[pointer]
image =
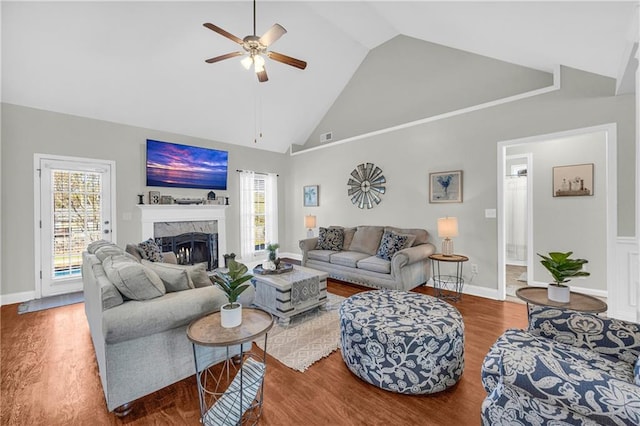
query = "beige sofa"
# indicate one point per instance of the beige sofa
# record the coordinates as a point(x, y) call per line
point(141, 345)
point(365, 258)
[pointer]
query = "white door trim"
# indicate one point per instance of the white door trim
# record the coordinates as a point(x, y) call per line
point(610, 131)
point(37, 188)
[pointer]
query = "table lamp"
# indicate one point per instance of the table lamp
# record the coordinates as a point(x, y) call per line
point(309, 223)
point(447, 228)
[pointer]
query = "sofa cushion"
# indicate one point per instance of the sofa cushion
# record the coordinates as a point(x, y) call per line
point(348, 237)
point(422, 236)
point(375, 264)
point(108, 250)
point(150, 250)
point(330, 238)
point(366, 239)
point(390, 244)
point(95, 245)
point(174, 277)
point(133, 279)
point(321, 255)
point(110, 295)
point(347, 258)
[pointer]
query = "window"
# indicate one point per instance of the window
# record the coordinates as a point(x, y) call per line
point(258, 212)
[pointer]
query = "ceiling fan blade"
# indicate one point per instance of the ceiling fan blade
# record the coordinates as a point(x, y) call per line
point(223, 33)
point(262, 76)
point(287, 60)
point(223, 57)
point(272, 35)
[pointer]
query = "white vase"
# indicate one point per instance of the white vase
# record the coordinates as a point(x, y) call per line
point(558, 293)
point(231, 317)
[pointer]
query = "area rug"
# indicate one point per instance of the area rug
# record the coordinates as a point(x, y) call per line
point(309, 337)
point(51, 302)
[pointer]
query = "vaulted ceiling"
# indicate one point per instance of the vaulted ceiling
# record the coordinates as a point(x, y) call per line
point(142, 63)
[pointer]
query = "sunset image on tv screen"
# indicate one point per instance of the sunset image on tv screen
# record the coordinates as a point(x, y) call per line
point(183, 166)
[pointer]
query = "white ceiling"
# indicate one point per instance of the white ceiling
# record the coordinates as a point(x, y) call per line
point(143, 63)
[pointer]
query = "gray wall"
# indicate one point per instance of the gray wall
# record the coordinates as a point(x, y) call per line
point(564, 224)
point(466, 142)
point(26, 131)
point(406, 79)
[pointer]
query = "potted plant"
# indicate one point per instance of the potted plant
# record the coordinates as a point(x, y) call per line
point(561, 268)
point(233, 284)
point(271, 248)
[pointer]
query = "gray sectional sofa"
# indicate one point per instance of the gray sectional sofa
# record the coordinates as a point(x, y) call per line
point(141, 345)
point(372, 256)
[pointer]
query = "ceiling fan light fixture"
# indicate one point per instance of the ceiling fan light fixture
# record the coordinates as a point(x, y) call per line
point(259, 63)
point(247, 62)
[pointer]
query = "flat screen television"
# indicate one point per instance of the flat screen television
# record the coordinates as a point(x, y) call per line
point(183, 166)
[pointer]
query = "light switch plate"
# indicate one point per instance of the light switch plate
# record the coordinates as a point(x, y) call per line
point(490, 213)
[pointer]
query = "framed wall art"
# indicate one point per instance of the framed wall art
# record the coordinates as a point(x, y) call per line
point(445, 187)
point(573, 181)
point(310, 195)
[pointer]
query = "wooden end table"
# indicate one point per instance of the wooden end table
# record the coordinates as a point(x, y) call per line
point(453, 284)
point(577, 301)
point(230, 392)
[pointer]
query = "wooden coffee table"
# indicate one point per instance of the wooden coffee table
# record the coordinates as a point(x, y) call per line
point(577, 301)
point(275, 293)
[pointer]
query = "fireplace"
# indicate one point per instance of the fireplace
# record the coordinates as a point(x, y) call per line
point(196, 233)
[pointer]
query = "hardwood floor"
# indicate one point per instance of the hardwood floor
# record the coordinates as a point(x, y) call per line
point(49, 376)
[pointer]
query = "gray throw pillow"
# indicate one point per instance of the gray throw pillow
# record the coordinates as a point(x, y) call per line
point(198, 275)
point(150, 250)
point(366, 240)
point(390, 244)
point(133, 279)
point(330, 239)
point(174, 277)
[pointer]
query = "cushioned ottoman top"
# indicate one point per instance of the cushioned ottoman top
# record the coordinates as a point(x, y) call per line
point(402, 313)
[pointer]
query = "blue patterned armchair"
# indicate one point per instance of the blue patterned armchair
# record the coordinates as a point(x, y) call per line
point(568, 368)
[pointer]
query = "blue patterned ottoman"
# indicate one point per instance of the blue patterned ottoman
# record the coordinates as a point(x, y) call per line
point(402, 342)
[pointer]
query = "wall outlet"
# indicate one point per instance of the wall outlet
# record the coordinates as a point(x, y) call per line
point(326, 137)
point(474, 268)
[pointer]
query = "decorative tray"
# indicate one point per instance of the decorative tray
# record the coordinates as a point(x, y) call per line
point(284, 267)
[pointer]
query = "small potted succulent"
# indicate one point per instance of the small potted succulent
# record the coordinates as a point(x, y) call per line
point(562, 268)
point(233, 284)
point(271, 264)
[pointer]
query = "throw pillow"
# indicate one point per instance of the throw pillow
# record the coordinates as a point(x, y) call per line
point(198, 275)
point(636, 371)
point(390, 244)
point(133, 279)
point(150, 250)
point(174, 277)
point(366, 240)
point(330, 239)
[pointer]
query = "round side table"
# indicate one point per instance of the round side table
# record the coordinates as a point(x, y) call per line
point(231, 391)
point(577, 301)
point(448, 286)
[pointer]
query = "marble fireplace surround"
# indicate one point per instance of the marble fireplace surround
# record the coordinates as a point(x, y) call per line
point(151, 214)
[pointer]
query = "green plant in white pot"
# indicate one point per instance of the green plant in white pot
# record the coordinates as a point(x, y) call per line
point(562, 268)
point(233, 284)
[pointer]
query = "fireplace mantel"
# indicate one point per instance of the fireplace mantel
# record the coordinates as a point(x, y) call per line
point(150, 214)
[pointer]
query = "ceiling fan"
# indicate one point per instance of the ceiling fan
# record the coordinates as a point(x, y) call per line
point(256, 47)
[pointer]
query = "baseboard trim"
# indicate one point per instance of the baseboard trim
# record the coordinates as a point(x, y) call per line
point(11, 298)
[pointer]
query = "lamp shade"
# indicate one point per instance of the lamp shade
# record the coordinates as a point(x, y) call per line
point(447, 227)
point(309, 221)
